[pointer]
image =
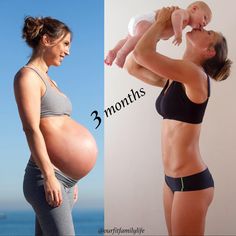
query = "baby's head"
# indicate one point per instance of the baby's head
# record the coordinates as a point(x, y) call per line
point(200, 14)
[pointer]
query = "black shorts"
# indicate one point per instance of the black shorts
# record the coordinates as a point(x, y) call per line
point(193, 182)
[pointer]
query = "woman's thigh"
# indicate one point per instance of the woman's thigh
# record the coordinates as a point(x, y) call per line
point(168, 197)
point(52, 220)
point(189, 211)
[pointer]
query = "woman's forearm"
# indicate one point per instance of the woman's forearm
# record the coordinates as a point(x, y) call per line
point(39, 151)
point(143, 74)
point(147, 44)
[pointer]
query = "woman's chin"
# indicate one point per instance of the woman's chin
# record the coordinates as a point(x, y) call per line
point(188, 33)
point(57, 63)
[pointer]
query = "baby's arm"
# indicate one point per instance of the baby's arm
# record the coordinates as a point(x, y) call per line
point(177, 19)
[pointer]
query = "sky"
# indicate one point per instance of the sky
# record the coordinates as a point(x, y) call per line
point(80, 77)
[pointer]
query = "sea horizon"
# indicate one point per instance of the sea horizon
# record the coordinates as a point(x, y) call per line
point(87, 222)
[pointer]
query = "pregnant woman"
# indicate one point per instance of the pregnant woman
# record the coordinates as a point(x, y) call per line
point(62, 151)
point(189, 186)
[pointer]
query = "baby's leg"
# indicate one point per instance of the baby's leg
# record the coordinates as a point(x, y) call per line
point(113, 52)
point(131, 42)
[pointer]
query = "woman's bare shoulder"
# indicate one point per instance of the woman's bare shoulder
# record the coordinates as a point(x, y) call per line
point(26, 76)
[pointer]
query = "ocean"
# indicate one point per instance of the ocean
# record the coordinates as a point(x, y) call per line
point(21, 223)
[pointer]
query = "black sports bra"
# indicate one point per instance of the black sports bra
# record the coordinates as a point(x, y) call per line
point(174, 104)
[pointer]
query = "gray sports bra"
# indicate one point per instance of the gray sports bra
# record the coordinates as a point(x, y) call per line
point(53, 103)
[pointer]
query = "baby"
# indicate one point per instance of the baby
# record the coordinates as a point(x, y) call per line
point(197, 15)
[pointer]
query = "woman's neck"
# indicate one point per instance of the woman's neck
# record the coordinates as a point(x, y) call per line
point(39, 62)
point(189, 56)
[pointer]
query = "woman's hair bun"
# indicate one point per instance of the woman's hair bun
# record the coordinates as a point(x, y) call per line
point(32, 30)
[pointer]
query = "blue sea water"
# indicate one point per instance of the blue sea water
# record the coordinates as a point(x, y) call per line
point(21, 223)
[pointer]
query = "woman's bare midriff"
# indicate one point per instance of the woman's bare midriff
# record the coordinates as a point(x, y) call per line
point(71, 147)
point(180, 148)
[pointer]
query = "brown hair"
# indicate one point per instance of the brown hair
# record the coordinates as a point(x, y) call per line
point(218, 67)
point(35, 28)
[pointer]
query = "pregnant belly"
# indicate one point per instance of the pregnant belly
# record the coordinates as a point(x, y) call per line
point(71, 147)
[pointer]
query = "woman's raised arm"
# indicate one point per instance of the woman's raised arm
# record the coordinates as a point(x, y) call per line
point(143, 74)
point(145, 53)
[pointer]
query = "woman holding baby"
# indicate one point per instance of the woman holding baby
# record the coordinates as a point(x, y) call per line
point(188, 187)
